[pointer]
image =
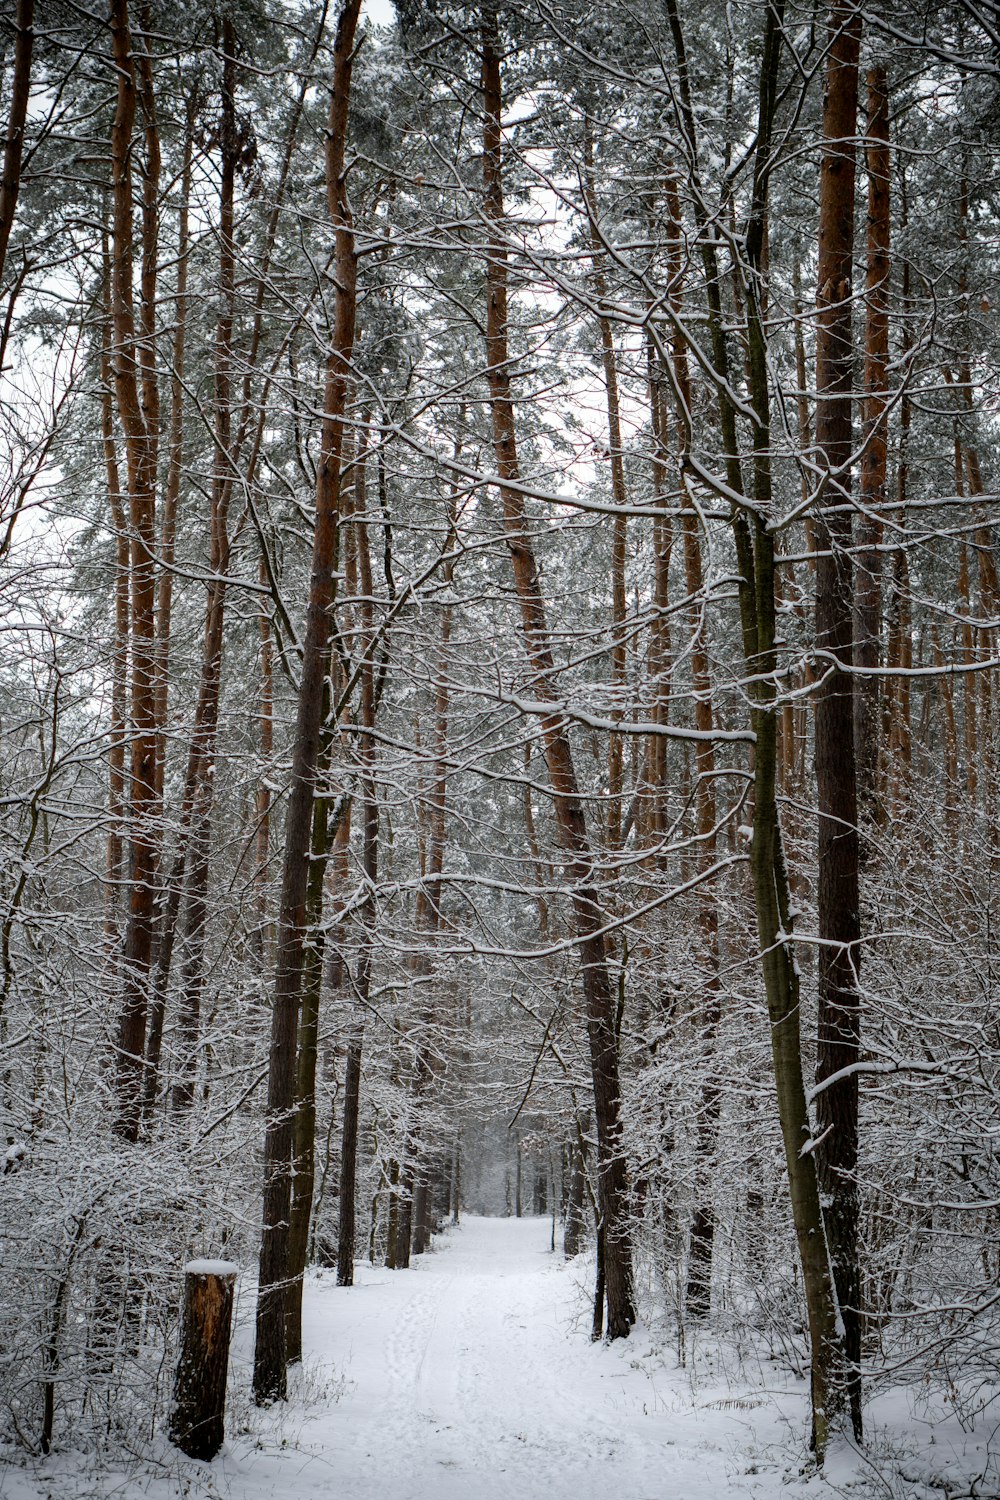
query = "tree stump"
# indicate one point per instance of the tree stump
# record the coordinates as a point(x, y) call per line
point(197, 1422)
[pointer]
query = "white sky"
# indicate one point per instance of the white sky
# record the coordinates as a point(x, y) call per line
point(380, 12)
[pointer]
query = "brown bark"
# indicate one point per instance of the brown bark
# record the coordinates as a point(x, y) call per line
point(347, 1229)
point(794, 742)
point(575, 1226)
point(757, 594)
point(226, 464)
point(352, 1075)
point(392, 1217)
point(421, 1193)
point(270, 1373)
point(698, 1296)
point(976, 685)
point(404, 1220)
point(427, 907)
point(946, 699)
point(262, 851)
point(567, 802)
point(169, 897)
point(330, 841)
point(900, 642)
point(534, 849)
point(989, 609)
point(838, 853)
point(197, 1421)
point(175, 458)
point(10, 181)
point(207, 712)
point(868, 577)
point(619, 496)
point(654, 816)
point(149, 168)
point(802, 389)
point(967, 657)
point(140, 454)
point(119, 668)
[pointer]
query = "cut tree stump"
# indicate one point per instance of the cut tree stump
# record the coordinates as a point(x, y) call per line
point(197, 1422)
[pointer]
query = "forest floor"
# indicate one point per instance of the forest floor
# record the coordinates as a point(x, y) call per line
point(473, 1377)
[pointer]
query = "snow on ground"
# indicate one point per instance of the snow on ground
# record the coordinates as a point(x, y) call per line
point(472, 1377)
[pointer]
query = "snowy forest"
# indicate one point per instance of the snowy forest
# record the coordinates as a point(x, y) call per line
point(500, 743)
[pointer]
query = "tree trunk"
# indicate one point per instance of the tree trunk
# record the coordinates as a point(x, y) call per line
point(207, 713)
point(619, 496)
point(575, 1226)
point(392, 1217)
point(140, 453)
point(197, 1422)
point(699, 1283)
point(352, 1080)
point(270, 1374)
point(517, 1176)
point(262, 851)
point(330, 836)
point(418, 1237)
point(900, 642)
point(175, 460)
point(757, 597)
point(837, 897)
point(868, 580)
point(568, 805)
point(119, 668)
point(349, 1152)
point(10, 182)
point(404, 1225)
point(653, 824)
point(427, 907)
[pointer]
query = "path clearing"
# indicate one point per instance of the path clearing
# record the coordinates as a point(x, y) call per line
point(469, 1377)
point(472, 1377)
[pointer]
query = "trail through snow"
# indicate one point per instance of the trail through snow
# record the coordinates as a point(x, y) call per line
point(472, 1377)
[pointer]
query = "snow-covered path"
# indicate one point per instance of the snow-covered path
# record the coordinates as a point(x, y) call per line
point(472, 1377)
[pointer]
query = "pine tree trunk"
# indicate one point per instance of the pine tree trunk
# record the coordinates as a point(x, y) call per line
point(837, 897)
point(427, 909)
point(619, 496)
point(370, 818)
point(175, 460)
point(575, 1227)
point(349, 1155)
point(404, 1228)
point(20, 88)
point(653, 823)
point(330, 837)
point(900, 643)
point(119, 681)
point(758, 594)
point(270, 1375)
point(131, 361)
point(868, 579)
point(262, 852)
point(699, 1283)
point(392, 1217)
point(207, 713)
point(568, 805)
